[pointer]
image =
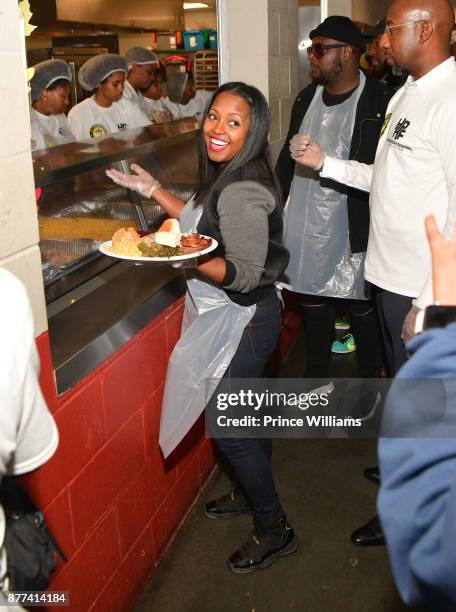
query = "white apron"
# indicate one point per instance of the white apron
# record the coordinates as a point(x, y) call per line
point(211, 331)
point(316, 217)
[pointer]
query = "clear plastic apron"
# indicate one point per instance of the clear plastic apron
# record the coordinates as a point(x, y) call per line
point(211, 331)
point(316, 217)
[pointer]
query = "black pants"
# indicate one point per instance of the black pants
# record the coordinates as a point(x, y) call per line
point(392, 310)
point(250, 458)
point(319, 316)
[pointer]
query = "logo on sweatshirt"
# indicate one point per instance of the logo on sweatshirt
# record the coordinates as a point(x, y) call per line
point(97, 130)
point(401, 128)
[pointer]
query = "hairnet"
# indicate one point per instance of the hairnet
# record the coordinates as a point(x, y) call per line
point(98, 68)
point(140, 55)
point(47, 73)
point(175, 85)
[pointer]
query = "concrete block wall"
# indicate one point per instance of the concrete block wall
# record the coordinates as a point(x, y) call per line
point(282, 67)
point(19, 250)
point(246, 25)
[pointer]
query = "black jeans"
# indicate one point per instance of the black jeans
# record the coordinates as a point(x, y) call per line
point(249, 458)
point(392, 310)
point(319, 316)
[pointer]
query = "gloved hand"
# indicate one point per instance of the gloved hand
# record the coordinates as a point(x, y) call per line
point(162, 116)
point(409, 328)
point(141, 181)
point(306, 152)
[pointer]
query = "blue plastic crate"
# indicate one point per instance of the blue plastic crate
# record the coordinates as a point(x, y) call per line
point(194, 40)
point(212, 39)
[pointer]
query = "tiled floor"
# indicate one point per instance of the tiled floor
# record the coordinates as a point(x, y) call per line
point(326, 497)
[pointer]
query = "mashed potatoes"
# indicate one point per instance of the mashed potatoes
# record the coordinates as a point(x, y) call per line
point(124, 242)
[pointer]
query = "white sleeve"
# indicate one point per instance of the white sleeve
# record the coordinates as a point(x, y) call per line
point(28, 434)
point(444, 139)
point(348, 172)
point(136, 117)
point(75, 120)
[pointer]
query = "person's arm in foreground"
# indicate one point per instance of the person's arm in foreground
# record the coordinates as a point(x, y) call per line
point(28, 434)
point(304, 150)
point(417, 501)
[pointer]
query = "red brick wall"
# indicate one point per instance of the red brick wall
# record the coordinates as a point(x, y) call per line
point(110, 499)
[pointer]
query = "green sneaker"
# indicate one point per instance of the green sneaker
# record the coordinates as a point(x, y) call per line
point(342, 324)
point(345, 345)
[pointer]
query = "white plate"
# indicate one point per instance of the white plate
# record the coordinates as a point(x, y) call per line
point(106, 246)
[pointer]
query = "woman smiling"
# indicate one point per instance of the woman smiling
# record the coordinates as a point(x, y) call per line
point(232, 311)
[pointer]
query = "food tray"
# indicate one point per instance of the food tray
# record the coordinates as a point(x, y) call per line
point(63, 254)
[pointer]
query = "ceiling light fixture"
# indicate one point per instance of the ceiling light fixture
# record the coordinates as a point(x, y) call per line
point(194, 5)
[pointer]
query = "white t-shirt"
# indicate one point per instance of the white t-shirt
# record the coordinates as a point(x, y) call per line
point(195, 107)
point(28, 434)
point(89, 120)
point(49, 130)
point(414, 175)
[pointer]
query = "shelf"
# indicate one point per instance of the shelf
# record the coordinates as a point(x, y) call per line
point(182, 51)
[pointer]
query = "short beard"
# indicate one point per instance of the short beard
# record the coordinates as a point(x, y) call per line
point(331, 74)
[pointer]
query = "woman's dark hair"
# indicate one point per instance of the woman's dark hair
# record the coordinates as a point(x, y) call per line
point(255, 149)
point(58, 83)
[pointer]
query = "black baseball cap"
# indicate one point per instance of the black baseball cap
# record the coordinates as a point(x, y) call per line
point(378, 29)
point(340, 28)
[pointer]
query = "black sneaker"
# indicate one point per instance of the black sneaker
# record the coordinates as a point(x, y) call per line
point(260, 551)
point(228, 506)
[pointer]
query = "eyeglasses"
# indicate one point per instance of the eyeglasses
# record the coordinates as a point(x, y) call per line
point(318, 50)
point(389, 28)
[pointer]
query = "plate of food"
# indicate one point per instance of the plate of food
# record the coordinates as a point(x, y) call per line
point(166, 245)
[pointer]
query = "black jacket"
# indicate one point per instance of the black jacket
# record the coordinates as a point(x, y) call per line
point(369, 119)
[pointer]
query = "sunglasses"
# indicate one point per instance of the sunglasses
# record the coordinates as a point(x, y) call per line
point(318, 50)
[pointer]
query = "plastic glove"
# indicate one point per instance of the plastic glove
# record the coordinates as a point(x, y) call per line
point(409, 327)
point(141, 181)
point(306, 152)
point(162, 116)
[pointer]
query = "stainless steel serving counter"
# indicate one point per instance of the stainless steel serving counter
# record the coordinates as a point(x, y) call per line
point(96, 303)
point(84, 335)
point(75, 158)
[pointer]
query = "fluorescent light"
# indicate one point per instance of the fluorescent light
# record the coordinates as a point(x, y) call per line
point(195, 5)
